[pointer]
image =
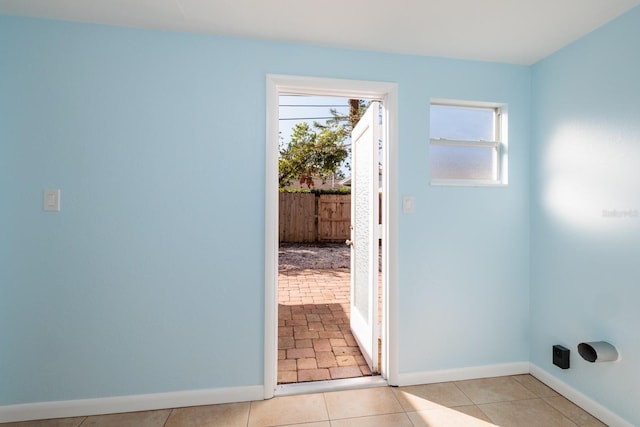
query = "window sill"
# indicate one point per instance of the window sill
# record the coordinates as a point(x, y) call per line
point(466, 183)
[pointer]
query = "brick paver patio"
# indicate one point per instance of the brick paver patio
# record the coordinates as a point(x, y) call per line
point(314, 338)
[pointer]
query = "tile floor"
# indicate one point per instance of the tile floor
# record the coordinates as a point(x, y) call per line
point(516, 401)
point(314, 338)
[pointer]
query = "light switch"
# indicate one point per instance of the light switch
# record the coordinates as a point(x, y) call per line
point(407, 204)
point(52, 200)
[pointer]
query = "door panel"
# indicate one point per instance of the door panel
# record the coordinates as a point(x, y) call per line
point(364, 233)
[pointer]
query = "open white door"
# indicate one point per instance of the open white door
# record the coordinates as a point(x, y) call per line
point(365, 138)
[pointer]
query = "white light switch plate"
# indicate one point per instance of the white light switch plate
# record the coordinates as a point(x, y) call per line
point(52, 200)
point(407, 205)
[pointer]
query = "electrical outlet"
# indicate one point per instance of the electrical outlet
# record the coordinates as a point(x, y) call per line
point(561, 356)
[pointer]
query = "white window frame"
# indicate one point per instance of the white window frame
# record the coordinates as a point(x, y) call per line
point(500, 174)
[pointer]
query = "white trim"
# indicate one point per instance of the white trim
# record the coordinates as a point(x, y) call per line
point(591, 406)
point(478, 105)
point(388, 93)
point(140, 402)
point(466, 183)
point(330, 385)
point(462, 374)
point(500, 176)
point(320, 86)
point(390, 233)
point(271, 240)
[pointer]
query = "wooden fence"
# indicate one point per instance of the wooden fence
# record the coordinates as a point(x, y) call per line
point(334, 217)
point(307, 218)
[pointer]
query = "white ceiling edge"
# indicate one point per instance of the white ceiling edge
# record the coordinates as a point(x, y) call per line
point(509, 31)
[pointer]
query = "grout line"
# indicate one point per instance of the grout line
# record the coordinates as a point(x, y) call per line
point(485, 414)
point(326, 407)
point(249, 411)
point(462, 391)
point(168, 416)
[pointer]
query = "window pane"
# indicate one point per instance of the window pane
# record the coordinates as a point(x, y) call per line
point(453, 162)
point(460, 123)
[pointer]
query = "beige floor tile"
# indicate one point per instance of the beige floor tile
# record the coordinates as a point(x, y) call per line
point(129, 419)
point(362, 403)
point(535, 386)
point(526, 413)
point(449, 417)
point(574, 412)
point(318, 424)
point(299, 409)
point(490, 390)
point(473, 411)
point(59, 422)
point(230, 414)
point(430, 396)
point(387, 420)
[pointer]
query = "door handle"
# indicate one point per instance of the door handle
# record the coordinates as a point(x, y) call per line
point(349, 242)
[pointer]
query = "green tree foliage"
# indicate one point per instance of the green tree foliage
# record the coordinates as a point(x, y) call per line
point(319, 151)
point(312, 153)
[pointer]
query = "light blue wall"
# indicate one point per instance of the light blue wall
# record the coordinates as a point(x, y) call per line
point(151, 278)
point(463, 254)
point(585, 159)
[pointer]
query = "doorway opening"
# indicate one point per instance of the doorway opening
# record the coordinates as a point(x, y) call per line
point(317, 338)
point(295, 330)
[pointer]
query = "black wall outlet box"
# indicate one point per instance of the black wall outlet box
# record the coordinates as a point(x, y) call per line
point(561, 356)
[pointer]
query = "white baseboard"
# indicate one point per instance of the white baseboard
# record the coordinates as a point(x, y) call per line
point(586, 403)
point(141, 402)
point(147, 402)
point(461, 374)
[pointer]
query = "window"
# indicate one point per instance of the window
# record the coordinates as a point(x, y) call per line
point(468, 144)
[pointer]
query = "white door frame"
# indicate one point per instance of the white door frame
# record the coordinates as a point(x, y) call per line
point(358, 89)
